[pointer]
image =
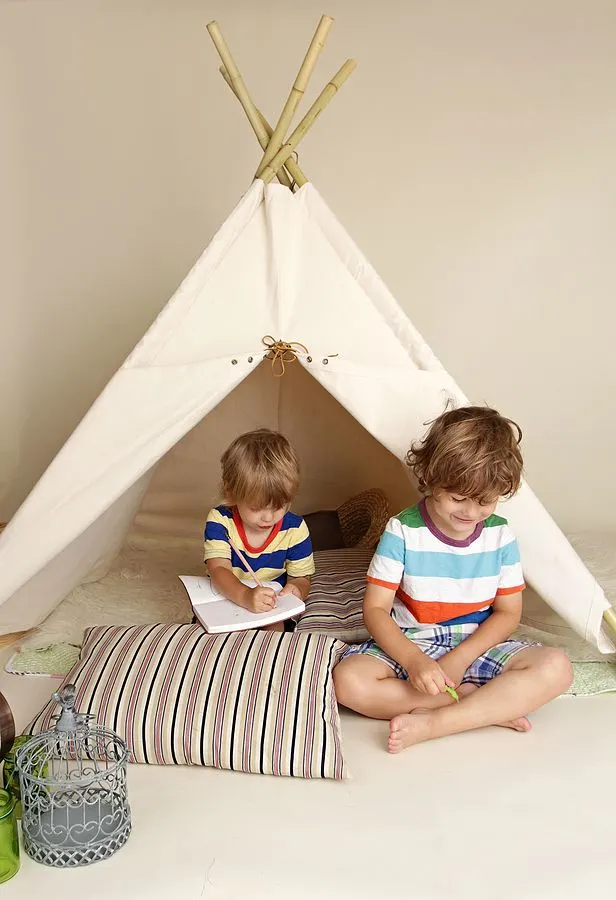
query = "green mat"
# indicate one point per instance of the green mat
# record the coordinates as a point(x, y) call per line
point(592, 678)
point(593, 672)
point(58, 659)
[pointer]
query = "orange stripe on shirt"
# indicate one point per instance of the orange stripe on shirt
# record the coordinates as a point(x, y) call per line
point(385, 584)
point(429, 612)
point(503, 592)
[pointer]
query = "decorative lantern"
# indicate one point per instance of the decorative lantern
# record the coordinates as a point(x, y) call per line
point(73, 790)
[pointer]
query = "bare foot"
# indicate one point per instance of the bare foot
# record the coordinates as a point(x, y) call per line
point(408, 729)
point(520, 724)
point(417, 726)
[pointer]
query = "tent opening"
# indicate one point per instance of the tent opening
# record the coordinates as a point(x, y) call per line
point(338, 457)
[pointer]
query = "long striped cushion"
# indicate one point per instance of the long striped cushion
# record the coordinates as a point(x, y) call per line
point(334, 605)
point(253, 701)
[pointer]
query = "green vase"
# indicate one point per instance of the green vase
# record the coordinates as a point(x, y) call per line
point(11, 778)
point(9, 840)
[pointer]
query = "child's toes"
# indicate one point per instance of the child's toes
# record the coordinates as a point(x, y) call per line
point(397, 728)
point(394, 745)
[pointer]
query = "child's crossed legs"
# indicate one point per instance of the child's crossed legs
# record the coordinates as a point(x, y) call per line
point(500, 688)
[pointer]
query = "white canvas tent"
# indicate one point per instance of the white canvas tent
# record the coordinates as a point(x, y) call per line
point(280, 266)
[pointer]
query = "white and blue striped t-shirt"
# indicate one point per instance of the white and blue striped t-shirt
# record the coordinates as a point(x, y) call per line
point(442, 581)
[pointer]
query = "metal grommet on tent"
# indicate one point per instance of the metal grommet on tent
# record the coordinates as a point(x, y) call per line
point(250, 359)
point(325, 361)
point(234, 362)
point(309, 359)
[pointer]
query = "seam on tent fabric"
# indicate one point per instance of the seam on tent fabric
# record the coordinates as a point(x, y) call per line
point(370, 270)
point(196, 297)
point(202, 259)
point(366, 375)
point(198, 363)
point(314, 219)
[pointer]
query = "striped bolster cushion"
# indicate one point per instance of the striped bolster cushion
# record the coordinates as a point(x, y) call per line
point(334, 605)
point(253, 701)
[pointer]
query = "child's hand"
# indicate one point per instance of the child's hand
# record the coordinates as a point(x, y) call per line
point(426, 676)
point(261, 599)
point(291, 589)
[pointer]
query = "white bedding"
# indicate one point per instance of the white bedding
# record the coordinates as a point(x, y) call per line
point(143, 587)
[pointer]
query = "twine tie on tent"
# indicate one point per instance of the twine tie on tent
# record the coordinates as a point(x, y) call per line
point(282, 353)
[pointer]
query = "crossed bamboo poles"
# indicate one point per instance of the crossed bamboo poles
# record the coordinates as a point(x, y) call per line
point(277, 160)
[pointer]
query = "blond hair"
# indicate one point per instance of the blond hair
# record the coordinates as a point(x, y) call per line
point(472, 451)
point(260, 469)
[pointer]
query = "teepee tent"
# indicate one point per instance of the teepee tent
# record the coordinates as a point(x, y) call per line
point(281, 286)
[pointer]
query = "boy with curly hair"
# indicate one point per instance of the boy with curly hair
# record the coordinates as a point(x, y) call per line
point(444, 597)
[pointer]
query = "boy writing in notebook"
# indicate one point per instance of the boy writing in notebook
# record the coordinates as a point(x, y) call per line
point(444, 597)
point(260, 478)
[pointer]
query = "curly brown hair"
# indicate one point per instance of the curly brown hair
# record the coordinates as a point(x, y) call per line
point(472, 451)
point(260, 468)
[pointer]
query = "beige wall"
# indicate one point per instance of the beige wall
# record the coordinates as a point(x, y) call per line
point(471, 156)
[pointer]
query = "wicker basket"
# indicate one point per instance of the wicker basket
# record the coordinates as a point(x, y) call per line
point(363, 518)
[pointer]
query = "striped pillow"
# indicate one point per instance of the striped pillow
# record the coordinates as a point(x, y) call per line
point(334, 605)
point(253, 701)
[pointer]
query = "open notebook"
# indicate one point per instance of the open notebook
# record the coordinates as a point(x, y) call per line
point(218, 615)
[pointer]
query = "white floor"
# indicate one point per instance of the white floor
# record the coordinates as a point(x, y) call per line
point(484, 816)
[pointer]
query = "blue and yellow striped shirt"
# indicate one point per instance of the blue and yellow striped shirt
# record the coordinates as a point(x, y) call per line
point(287, 552)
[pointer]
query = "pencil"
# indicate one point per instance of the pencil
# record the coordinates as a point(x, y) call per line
point(246, 563)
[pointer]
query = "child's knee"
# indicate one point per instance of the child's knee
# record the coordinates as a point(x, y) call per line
point(349, 684)
point(342, 679)
point(556, 668)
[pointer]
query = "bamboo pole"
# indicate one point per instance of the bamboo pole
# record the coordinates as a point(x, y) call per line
point(609, 620)
point(242, 94)
point(299, 177)
point(315, 110)
point(297, 92)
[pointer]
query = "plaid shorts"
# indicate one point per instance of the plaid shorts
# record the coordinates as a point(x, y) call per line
point(438, 640)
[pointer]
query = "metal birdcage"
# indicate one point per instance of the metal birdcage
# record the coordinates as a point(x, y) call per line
point(73, 790)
